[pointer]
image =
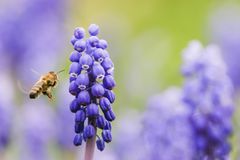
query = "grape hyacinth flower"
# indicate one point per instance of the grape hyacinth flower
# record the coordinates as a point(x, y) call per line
point(91, 83)
point(208, 93)
point(166, 128)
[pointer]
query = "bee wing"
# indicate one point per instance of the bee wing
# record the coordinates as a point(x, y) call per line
point(21, 88)
point(35, 72)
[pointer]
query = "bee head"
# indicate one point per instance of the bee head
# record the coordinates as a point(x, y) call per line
point(53, 74)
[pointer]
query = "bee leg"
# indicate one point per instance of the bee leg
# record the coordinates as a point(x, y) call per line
point(49, 94)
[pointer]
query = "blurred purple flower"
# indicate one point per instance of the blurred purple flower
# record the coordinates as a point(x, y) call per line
point(224, 30)
point(6, 110)
point(167, 130)
point(65, 131)
point(208, 93)
point(30, 34)
point(91, 82)
point(38, 130)
point(5, 123)
point(129, 139)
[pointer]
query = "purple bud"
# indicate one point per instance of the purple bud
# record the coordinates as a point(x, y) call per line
point(109, 115)
point(73, 88)
point(100, 144)
point(100, 122)
point(93, 41)
point(93, 29)
point(97, 90)
point(89, 131)
point(82, 81)
point(73, 40)
point(79, 32)
point(98, 55)
point(108, 65)
point(109, 82)
point(83, 98)
point(74, 107)
point(80, 45)
point(107, 126)
point(98, 72)
point(92, 110)
point(109, 95)
point(74, 68)
point(85, 61)
point(102, 44)
point(75, 56)
point(77, 140)
point(107, 136)
point(104, 104)
point(80, 116)
point(78, 127)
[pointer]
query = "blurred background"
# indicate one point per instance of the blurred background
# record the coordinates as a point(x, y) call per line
point(146, 39)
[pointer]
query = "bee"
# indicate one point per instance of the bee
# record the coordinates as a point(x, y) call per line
point(44, 85)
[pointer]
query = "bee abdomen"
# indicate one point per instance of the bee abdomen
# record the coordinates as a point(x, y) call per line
point(36, 90)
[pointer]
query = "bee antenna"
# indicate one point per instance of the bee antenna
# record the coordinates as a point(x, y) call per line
point(60, 71)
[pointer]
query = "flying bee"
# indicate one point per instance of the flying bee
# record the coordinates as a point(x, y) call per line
point(44, 85)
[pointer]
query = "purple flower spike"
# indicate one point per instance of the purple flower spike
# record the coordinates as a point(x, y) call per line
point(107, 136)
point(91, 63)
point(79, 33)
point(208, 93)
point(77, 140)
point(89, 131)
point(100, 144)
point(92, 110)
point(80, 45)
point(93, 29)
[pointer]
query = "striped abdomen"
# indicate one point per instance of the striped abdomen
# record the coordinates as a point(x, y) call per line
point(36, 89)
